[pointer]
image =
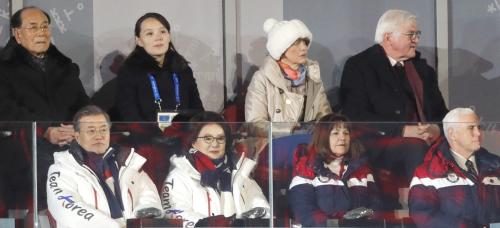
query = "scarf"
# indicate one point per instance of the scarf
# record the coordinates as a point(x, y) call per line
point(217, 175)
point(296, 76)
point(107, 172)
point(214, 173)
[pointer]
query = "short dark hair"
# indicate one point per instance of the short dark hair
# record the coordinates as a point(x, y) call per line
point(321, 138)
point(202, 119)
point(16, 21)
point(89, 110)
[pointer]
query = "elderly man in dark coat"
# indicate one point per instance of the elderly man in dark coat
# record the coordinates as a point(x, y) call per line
point(390, 85)
point(37, 83)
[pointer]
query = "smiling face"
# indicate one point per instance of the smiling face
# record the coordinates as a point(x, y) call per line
point(400, 45)
point(93, 135)
point(34, 32)
point(296, 54)
point(211, 141)
point(340, 139)
point(154, 38)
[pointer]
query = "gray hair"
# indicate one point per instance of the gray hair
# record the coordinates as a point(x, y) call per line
point(390, 21)
point(452, 119)
point(89, 110)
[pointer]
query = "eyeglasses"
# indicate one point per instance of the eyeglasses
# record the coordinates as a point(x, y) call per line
point(210, 139)
point(34, 28)
point(93, 132)
point(413, 34)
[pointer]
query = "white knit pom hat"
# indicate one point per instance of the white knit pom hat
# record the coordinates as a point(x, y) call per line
point(282, 34)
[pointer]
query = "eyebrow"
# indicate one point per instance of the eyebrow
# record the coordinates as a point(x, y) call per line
point(104, 125)
point(35, 23)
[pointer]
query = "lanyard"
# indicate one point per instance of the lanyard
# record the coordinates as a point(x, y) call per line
point(156, 93)
point(177, 92)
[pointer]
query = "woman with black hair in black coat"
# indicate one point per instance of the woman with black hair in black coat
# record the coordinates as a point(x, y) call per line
point(155, 77)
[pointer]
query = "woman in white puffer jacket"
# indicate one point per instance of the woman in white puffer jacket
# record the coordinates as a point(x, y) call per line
point(206, 181)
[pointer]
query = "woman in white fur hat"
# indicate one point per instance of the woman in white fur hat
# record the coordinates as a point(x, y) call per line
point(288, 86)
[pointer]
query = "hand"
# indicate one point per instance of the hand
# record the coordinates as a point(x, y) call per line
point(61, 136)
point(253, 146)
point(432, 130)
point(427, 132)
point(149, 212)
point(214, 221)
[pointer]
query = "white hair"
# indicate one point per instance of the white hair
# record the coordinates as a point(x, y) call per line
point(452, 119)
point(390, 21)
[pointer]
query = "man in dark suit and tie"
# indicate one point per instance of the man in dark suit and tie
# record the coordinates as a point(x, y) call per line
point(389, 82)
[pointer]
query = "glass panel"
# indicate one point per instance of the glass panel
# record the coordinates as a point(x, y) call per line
point(4, 22)
point(473, 55)
point(186, 163)
point(16, 180)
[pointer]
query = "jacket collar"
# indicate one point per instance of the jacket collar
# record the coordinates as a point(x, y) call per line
point(183, 164)
point(380, 62)
point(441, 160)
point(13, 52)
point(79, 153)
point(273, 73)
point(352, 165)
point(173, 61)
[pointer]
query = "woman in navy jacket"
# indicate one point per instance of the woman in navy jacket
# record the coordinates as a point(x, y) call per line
point(155, 65)
point(331, 176)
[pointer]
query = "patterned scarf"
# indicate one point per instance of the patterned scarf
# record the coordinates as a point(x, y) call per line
point(217, 175)
point(214, 173)
point(107, 172)
point(296, 76)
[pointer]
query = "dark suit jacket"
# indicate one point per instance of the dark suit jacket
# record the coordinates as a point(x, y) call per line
point(369, 92)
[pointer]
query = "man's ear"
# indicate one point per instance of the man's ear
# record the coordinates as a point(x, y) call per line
point(387, 36)
point(17, 35)
point(77, 137)
point(451, 134)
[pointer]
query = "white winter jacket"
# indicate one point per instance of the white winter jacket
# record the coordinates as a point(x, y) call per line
point(76, 199)
point(184, 198)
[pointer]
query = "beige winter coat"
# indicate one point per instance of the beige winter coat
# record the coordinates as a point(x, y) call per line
point(269, 99)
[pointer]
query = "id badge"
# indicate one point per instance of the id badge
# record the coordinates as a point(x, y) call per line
point(164, 119)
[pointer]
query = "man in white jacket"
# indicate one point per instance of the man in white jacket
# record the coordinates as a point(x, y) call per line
point(94, 185)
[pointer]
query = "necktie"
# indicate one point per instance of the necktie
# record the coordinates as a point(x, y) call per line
point(399, 68)
point(409, 71)
point(470, 168)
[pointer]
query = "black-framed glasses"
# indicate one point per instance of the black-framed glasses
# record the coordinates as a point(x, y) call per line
point(413, 34)
point(208, 139)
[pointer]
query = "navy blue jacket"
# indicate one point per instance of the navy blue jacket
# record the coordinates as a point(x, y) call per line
point(444, 195)
point(316, 194)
